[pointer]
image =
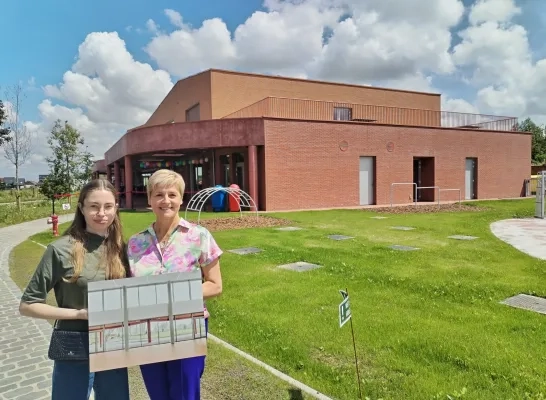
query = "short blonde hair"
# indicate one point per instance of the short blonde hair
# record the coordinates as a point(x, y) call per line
point(165, 178)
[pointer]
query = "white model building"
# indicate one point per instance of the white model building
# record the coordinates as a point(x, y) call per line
point(142, 320)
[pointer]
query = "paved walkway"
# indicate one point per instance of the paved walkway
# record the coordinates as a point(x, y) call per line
point(25, 370)
point(527, 235)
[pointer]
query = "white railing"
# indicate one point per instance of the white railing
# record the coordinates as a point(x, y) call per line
point(449, 190)
point(405, 183)
point(428, 187)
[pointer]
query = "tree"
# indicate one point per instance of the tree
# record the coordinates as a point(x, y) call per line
point(51, 186)
point(86, 167)
point(538, 147)
point(4, 131)
point(18, 148)
point(70, 163)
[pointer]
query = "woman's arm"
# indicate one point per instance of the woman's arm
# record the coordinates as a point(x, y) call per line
point(45, 311)
point(212, 286)
point(45, 277)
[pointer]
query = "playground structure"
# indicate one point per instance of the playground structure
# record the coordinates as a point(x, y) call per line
point(417, 188)
point(237, 199)
point(539, 202)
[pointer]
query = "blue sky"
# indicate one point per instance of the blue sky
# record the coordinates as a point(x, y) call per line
point(483, 57)
point(46, 50)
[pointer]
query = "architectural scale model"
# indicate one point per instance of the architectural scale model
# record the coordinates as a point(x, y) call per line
point(135, 321)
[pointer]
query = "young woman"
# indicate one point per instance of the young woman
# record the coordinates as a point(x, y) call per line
point(92, 249)
point(171, 244)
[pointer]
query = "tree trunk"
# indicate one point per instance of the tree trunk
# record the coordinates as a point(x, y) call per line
point(17, 192)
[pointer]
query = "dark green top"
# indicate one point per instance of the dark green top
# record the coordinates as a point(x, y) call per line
point(56, 264)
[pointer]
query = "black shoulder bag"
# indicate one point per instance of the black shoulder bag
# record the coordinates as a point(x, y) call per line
point(68, 345)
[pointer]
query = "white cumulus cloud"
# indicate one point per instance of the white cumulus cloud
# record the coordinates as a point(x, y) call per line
point(105, 93)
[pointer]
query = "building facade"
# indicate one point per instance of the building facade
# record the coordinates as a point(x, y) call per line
point(301, 144)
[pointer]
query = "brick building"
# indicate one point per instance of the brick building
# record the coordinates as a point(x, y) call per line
point(300, 144)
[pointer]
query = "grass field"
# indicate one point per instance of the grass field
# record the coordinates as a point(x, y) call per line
point(8, 196)
point(428, 323)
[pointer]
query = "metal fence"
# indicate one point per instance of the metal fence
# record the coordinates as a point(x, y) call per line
point(317, 110)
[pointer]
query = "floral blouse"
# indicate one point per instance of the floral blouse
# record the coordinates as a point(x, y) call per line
point(189, 247)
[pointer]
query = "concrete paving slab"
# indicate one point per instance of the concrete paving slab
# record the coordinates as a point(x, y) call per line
point(300, 266)
point(403, 248)
point(403, 228)
point(340, 237)
point(463, 237)
point(378, 217)
point(289, 228)
point(246, 250)
point(527, 302)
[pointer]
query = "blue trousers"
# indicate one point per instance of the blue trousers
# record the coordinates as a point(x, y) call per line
point(175, 380)
point(72, 380)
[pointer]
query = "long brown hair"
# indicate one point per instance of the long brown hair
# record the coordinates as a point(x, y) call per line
point(114, 259)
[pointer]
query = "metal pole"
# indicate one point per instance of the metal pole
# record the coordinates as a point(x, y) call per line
point(391, 192)
point(125, 319)
point(170, 306)
point(356, 358)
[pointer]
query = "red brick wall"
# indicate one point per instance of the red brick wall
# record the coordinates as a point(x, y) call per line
point(305, 167)
point(186, 93)
point(232, 91)
point(319, 110)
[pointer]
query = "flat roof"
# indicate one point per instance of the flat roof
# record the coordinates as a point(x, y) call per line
point(321, 82)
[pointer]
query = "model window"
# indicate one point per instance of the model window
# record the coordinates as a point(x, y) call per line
point(193, 113)
point(342, 113)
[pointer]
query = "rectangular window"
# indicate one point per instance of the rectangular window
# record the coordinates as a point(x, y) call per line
point(193, 113)
point(343, 113)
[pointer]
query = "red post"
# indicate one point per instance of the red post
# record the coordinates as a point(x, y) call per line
point(117, 176)
point(252, 167)
point(128, 182)
point(55, 223)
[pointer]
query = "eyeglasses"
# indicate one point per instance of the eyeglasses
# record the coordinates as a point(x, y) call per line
point(94, 209)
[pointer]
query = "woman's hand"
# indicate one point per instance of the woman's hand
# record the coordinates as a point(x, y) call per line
point(81, 314)
point(45, 311)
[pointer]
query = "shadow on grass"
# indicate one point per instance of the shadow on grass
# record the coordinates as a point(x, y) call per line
point(295, 394)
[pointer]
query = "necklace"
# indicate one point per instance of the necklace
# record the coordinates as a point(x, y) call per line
point(163, 244)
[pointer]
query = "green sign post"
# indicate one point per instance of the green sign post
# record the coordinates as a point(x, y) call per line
point(344, 316)
point(344, 309)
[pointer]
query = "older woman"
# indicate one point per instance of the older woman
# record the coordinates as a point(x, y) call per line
point(172, 244)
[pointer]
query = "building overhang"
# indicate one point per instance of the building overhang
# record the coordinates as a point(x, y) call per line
point(99, 166)
point(236, 132)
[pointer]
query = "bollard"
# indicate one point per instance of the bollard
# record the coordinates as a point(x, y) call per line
point(55, 223)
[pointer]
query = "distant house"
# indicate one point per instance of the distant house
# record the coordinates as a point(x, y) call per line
point(9, 181)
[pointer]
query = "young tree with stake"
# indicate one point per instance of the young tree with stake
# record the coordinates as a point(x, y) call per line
point(18, 147)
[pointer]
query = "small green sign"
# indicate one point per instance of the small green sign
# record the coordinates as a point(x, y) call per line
point(344, 311)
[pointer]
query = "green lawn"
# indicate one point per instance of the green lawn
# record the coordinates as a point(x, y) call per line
point(428, 324)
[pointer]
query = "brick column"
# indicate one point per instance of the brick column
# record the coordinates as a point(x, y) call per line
point(109, 174)
point(117, 177)
point(128, 183)
point(252, 161)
